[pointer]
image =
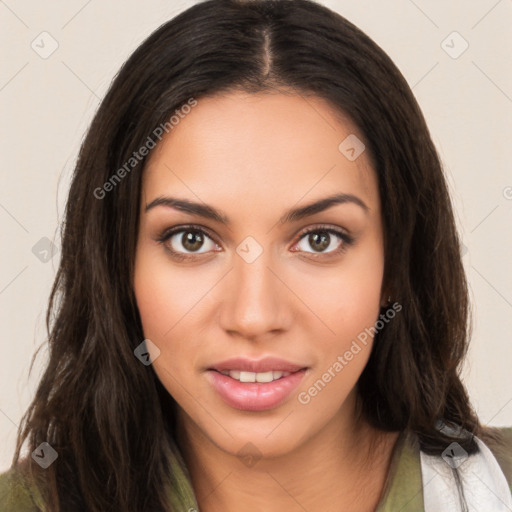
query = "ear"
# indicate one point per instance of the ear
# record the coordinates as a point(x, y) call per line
point(385, 297)
point(385, 302)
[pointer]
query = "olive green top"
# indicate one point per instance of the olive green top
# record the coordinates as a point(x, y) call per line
point(402, 491)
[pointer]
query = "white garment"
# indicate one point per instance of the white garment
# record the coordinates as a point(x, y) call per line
point(484, 485)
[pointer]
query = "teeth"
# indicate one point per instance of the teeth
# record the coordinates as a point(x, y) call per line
point(255, 377)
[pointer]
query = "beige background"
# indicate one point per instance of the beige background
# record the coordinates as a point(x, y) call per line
point(46, 105)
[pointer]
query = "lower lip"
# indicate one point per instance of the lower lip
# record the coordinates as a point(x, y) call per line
point(254, 396)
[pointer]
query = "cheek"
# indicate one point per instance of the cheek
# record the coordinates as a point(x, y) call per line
point(166, 299)
point(350, 309)
point(347, 299)
point(348, 303)
point(154, 298)
point(162, 296)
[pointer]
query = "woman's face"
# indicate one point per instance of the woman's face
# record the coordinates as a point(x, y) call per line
point(248, 282)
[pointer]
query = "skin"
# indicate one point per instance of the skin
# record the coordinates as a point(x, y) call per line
point(253, 156)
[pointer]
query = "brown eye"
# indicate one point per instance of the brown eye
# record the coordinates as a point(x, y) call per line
point(324, 241)
point(192, 240)
point(187, 241)
point(319, 241)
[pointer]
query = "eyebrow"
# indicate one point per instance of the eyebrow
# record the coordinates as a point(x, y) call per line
point(292, 215)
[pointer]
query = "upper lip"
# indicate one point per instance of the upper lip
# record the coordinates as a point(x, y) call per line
point(257, 366)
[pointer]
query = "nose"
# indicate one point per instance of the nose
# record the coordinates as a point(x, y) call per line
point(257, 302)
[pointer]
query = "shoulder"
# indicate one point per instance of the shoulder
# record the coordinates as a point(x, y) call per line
point(499, 441)
point(15, 494)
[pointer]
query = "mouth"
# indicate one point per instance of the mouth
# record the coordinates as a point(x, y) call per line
point(247, 366)
point(261, 377)
point(254, 391)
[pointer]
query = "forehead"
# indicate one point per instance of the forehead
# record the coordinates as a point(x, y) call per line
point(276, 147)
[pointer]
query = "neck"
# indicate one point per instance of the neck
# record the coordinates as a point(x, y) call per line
point(342, 467)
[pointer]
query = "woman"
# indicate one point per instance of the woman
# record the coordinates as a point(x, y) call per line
point(261, 296)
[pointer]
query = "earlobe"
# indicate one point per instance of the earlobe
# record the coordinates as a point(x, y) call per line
point(385, 301)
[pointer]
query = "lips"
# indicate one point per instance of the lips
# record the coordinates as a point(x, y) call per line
point(254, 396)
point(255, 384)
point(266, 364)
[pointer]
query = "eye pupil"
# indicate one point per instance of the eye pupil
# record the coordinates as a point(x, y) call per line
point(192, 240)
point(320, 237)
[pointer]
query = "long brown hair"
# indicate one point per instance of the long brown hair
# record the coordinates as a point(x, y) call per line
point(106, 414)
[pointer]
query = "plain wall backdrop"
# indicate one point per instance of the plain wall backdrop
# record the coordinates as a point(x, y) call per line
point(58, 59)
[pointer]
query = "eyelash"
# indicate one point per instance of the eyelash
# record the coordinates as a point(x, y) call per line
point(346, 239)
